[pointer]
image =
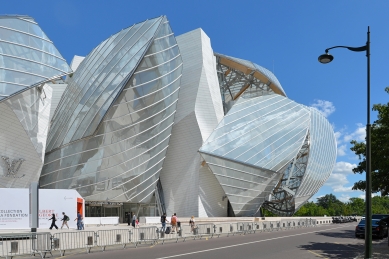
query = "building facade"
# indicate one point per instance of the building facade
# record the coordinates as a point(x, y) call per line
point(28, 61)
point(151, 123)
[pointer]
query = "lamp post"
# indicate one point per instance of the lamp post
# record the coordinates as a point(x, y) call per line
point(327, 58)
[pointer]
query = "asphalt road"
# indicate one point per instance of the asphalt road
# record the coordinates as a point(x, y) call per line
point(331, 241)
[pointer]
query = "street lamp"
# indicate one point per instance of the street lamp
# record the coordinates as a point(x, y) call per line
point(325, 59)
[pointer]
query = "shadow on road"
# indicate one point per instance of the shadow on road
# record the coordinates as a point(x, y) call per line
point(338, 234)
point(345, 234)
point(332, 250)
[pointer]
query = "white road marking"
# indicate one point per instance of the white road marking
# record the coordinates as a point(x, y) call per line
point(248, 243)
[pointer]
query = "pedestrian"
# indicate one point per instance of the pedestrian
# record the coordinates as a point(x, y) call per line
point(163, 221)
point(129, 219)
point(53, 219)
point(192, 224)
point(133, 220)
point(173, 221)
point(79, 221)
point(65, 220)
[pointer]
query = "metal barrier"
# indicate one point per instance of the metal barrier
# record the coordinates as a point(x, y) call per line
point(258, 227)
point(73, 240)
point(42, 243)
point(222, 228)
point(144, 234)
point(248, 227)
point(265, 226)
point(237, 228)
point(26, 243)
point(112, 237)
point(181, 232)
point(205, 229)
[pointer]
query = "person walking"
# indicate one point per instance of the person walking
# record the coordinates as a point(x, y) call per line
point(173, 221)
point(163, 221)
point(65, 220)
point(53, 219)
point(133, 220)
point(79, 220)
point(192, 224)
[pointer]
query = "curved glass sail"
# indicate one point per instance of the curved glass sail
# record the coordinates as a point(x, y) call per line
point(252, 146)
point(113, 125)
point(27, 56)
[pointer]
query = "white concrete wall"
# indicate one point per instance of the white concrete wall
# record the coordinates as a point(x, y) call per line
point(199, 111)
point(76, 61)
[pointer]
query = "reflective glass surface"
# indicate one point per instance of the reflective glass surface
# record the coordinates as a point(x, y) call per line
point(122, 119)
point(265, 131)
point(27, 56)
point(322, 155)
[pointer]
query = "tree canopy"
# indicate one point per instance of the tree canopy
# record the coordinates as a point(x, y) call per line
point(379, 152)
point(329, 205)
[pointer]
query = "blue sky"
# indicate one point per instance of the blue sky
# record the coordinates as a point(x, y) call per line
point(284, 36)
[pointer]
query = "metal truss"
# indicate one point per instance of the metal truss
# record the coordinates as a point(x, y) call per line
point(283, 197)
point(234, 84)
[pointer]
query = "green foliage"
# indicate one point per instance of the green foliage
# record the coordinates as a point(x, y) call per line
point(329, 205)
point(379, 152)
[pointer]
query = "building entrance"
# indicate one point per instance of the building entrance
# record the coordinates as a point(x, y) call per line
point(119, 209)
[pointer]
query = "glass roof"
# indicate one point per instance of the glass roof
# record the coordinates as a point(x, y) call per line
point(266, 131)
point(27, 56)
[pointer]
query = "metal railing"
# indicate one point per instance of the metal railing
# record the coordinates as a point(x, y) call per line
point(112, 237)
point(23, 244)
point(73, 240)
point(41, 243)
point(144, 234)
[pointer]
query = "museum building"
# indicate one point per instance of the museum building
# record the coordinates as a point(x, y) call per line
point(149, 122)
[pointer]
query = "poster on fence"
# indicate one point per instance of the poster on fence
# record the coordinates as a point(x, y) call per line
point(14, 207)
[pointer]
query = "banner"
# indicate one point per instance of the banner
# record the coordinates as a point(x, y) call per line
point(14, 207)
point(55, 202)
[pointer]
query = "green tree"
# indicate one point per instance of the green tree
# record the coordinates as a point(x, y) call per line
point(379, 152)
point(329, 201)
point(357, 206)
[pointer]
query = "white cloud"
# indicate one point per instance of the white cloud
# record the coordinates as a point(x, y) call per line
point(344, 197)
point(359, 134)
point(342, 150)
point(343, 168)
point(325, 107)
point(363, 196)
point(338, 179)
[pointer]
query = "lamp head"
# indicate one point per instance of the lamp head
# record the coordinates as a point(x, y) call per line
point(325, 58)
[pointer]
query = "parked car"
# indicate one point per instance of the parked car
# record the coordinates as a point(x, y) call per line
point(379, 216)
point(379, 228)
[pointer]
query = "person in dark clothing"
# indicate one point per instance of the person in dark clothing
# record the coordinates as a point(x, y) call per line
point(53, 219)
point(163, 221)
point(129, 219)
